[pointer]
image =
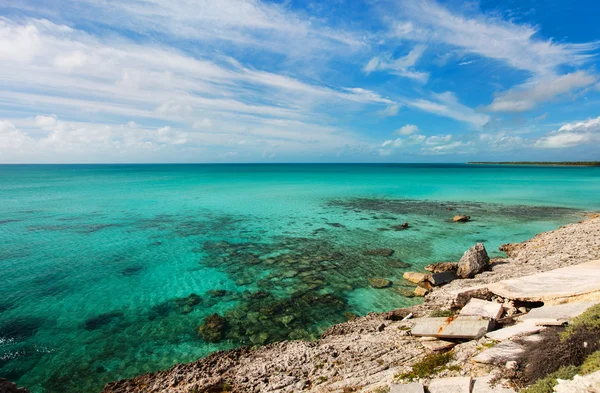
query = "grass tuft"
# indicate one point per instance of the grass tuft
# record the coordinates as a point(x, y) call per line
point(428, 366)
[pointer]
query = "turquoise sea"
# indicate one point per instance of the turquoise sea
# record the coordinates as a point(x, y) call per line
point(107, 271)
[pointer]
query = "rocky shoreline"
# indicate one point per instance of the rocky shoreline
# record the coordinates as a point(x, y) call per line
point(370, 353)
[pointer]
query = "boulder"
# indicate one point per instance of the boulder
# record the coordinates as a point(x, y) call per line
point(377, 282)
point(474, 261)
point(415, 277)
point(420, 291)
point(212, 328)
point(442, 267)
point(437, 279)
point(461, 218)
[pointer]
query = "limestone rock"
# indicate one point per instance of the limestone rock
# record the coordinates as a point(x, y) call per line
point(420, 291)
point(556, 315)
point(437, 345)
point(474, 261)
point(501, 353)
point(461, 218)
point(482, 308)
point(587, 384)
point(413, 387)
point(482, 385)
point(454, 385)
point(518, 330)
point(442, 267)
point(415, 277)
point(437, 279)
point(451, 327)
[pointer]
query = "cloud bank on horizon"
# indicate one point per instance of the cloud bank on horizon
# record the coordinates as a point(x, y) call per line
point(298, 81)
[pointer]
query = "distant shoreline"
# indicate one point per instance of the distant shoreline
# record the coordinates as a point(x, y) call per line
point(539, 163)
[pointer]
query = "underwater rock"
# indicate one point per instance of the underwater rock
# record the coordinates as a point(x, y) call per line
point(474, 261)
point(20, 328)
point(132, 270)
point(212, 328)
point(379, 283)
point(405, 291)
point(379, 252)
point(442, 267)
point(400, 227)
point(397, 263)
point(216, 293)
point(350, 316)
point(336, 224)
point(9, 387)
point(461, 218)
point(420, 291)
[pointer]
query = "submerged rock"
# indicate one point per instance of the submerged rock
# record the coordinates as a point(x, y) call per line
point(9, 387)
point(212, 328)
point(400, 227)
point(379, 252)
point(474, 261)
point(416, 277)
point(442, 267)
point(461, 218)
point(377, 282)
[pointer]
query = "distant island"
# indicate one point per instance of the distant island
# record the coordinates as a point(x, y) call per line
point(549, 163)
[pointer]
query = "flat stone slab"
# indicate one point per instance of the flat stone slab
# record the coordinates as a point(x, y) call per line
point(454, 385)
point(556, 284)
point(482, 385)
point(520, 329)
point(452, 327)
point(414, 387)
point(501, 353)
point(482, 308)
point(556, 315)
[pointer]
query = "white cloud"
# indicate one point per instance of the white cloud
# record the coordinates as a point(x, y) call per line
point(525, 97)
point(401, 66)
point(438, 139)
point(391, 110)
point(572, 134)
point(19, 44)
point(407, 130)
point(447, 105)
point(484, 35)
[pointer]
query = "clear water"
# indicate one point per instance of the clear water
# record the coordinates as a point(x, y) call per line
point(97, 262)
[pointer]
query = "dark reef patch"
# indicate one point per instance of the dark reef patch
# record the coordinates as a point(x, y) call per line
point(102, 320)
point(132, 270)
point(21, 328)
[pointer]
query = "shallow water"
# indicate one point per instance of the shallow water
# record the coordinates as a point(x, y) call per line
point(98, 262)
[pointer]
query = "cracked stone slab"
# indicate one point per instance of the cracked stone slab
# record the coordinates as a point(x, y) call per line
point(413, 387)
point(501, 353)
point(482, 308)
point(454, 385)
point(482, 385)
point(556, 315)
point(561, 283)
point(451, 327)
point(520, 329)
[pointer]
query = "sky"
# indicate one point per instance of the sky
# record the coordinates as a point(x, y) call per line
point(120, 81)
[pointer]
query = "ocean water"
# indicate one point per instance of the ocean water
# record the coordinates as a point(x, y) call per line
point(107, 271)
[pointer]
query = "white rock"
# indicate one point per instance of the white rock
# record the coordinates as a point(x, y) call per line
point(482, 308)
point(454, 385)
point(500, 353)
point(482, 385)
point(414, 387)
point(520, 329)
point(557, 315)
point(459, 327)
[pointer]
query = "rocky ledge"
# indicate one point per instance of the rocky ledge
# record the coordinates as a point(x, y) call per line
point(377, 352)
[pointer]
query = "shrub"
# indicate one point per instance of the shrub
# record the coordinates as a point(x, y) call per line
point(429, 365)
point(591, 363)
point(546, 385)
point(589, 320)
point(439, 313)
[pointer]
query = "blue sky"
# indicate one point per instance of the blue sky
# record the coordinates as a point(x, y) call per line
point(298, 81)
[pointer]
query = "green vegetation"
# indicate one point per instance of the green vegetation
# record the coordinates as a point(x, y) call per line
point(589, 320)
point(549, 163)
point(546, 385)
point(429, 365)
point(591, 364)
point(439, 313)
